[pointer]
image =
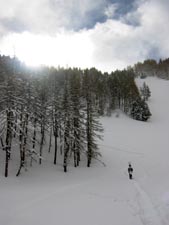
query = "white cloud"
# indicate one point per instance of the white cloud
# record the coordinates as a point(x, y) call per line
point(47, 16)
point(110, 10)
point(118, 44)
point(107, 46)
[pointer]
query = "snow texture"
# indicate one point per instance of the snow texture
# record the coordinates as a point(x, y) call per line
point(100, 195)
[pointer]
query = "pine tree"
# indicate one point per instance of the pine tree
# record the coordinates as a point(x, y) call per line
point(8, 102)
point(24, 115)
point(56, 118)
point(66, 123)
point(93, 126)
point(145, 91)
point(77, 116)
point(140, 110)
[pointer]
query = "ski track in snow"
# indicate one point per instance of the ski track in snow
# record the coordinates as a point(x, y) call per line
point(147, 212)
point(122, 150)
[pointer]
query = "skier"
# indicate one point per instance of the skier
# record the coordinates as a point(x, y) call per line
point(130, 171)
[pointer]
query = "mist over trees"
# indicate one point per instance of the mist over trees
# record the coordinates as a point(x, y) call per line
point(59, 109)
point(151, 67)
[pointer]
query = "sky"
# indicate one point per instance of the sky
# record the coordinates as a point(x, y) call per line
point(106, 34)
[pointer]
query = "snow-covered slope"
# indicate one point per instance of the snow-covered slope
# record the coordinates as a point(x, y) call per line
point(101, 195)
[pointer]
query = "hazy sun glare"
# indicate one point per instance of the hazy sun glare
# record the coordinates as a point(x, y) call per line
point(70, 49)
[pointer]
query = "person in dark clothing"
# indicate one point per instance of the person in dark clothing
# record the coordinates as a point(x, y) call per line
point(130, 171)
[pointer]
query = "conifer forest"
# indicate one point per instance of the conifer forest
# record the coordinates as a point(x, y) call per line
point(47, 107)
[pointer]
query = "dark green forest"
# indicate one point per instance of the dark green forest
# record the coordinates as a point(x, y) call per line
point(45, 105)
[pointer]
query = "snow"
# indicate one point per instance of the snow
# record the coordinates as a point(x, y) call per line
point(101, 195)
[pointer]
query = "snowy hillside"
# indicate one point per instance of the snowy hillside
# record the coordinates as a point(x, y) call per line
point(101, 195)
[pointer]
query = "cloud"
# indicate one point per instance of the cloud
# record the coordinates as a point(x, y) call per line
point(99, 33)
point(47, 16)
point(110, 10)
point(119, 43)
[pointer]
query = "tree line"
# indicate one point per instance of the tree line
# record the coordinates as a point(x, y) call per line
point(46, 105)
point(151, 67)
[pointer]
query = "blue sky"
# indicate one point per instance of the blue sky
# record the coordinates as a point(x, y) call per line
point(107, 34)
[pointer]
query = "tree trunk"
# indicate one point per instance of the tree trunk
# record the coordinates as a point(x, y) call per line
point(65, 158)
point(41, 145)
point(7, 148)
point(55, 154)
point(33, 141)
point(50, 140)
point(66, 146)
point(89, 149)
point(78, 157)
point(75, 157)
point(15, 127)
point(23, 142)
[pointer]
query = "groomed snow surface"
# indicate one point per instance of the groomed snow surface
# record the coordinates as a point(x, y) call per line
point(100, 195)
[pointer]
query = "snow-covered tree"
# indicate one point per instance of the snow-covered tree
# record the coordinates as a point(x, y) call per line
point(77, 115)
point(140, 110)
point(93, 126)
point(145, 91)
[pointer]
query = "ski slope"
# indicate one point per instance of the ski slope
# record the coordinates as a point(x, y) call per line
point(101, 195)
